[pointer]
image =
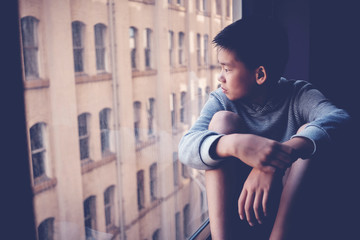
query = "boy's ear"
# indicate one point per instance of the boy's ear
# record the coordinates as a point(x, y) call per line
point(261, 75)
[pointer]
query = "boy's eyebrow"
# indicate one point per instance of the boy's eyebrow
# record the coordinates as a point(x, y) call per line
point(225, 63)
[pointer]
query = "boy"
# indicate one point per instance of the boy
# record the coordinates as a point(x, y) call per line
point(258, 134)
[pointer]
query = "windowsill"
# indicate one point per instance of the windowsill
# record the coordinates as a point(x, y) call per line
point(178, 69)
point(152, 2)
point(88, 165)
point(43, 183)
point(143, 144)
point(204, 13)
point(112, 229)
point(148, 72)
point(177, 7)
point(84, 78)
point(36, 83)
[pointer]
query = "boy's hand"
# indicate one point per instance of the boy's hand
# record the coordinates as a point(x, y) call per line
point(254, 196)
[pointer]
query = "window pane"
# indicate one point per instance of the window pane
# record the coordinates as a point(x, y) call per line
point(116, 85)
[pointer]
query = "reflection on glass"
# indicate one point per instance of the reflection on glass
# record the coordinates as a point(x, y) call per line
point(103, 126)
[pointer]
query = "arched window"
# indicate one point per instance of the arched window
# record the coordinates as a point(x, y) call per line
point(99, 31)
point(29, 31)
point(104, 118)
point(133, 46)
point(206, 49)
point(156, 235)
point(148, 44)
point(90, 217)
point(38, 149)
point(109, 204)
point(78, 29)
point(137, 120)
point(84, 135)
point(171, 48)
point(140, 189)
point(151, 115)
point(181, 48)
point(198, 49)
point(182, 107)
point(153, 181)
point(46, 229)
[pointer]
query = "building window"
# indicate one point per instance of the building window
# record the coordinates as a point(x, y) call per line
point(38, 149)
point(184, 171)
point(205, 6)
point(150, 111)
point(218, 7)
point(181, 48)
point(173, 109)
point(186, 215)
point(182, 107)
point(198, 5)
point(198, 49)
point(200, 99)
point(153, 181)
point(137, 118)
point(46, 229)
point(148, 60)
point(156, 235)
point(228, 8)
point(179, 2)
point(133, 45)
point(109, 204)
point(104, 120)
point(84, 136)
point(99, 30)
point(202, 206)
point(90, 217)
point(29, 31)
point(140, 189)
point(78, 45)
point(176, 169)
point(206, 49)
point(171, 48)
point(177, 226)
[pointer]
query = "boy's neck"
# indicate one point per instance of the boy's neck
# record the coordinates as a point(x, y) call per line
point(263, 94)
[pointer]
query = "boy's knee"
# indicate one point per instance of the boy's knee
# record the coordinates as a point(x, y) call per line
point(225, 122)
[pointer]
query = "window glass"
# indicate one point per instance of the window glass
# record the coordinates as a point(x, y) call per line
point(110, 89)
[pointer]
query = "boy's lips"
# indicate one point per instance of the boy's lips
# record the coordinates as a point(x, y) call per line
point(223, 89)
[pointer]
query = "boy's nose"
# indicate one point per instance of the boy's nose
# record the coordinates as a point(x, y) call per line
point(221, 77)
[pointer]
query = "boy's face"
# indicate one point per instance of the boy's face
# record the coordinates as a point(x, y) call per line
point(236, 80)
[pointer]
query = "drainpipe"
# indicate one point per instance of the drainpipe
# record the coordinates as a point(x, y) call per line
point(113, 59)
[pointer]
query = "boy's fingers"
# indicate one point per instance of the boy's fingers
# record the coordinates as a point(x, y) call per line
point(241, 203)
point(264, 203)
point(249, 211)
point(257, 206)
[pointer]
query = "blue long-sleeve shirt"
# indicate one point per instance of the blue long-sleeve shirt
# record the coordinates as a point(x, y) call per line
point(294, 104)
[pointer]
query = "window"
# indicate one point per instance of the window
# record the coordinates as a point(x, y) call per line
point(186, 213)
point(173, 109)
point(140, 189)
point(176, 169)
point(99, 30)
point(109, 207)
point(104, 118)
point(171, 48)
point(198, 49)
point(184, 171)
point(137, 117)
point(156, 235)
point(182, 107)
point(90, 217)
point(83, 122)
point(153, 181)
point(218, 7)
point(133, 44)
point(206, 49)
point(150, 111)
point(198, 5)
point(202, 205)
point(46, 229)
point(205, 6)
point(148, 43)
point(29, 31)
point(78, 45)
point(200, 100)
point(38, 149)
point(228, 6)
point(181, 48)
point(177, 226)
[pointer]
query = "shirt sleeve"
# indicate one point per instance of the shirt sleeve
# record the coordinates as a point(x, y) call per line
point(324, 118)
point(194, 146)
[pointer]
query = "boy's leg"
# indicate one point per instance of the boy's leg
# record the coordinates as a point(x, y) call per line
point(223, 187)
point(294, 182)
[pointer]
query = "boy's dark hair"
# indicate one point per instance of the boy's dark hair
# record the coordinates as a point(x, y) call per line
point(257, 41)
